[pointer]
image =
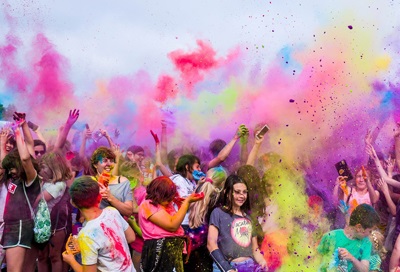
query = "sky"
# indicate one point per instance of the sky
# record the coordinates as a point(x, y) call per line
point(320, 73)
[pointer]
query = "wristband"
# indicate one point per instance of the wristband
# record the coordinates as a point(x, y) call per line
point(220, 260)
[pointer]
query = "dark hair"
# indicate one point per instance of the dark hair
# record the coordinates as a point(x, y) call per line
point(37, 142)
point(85, 192)
point(99, 154)
point(161, 189)
point(171, 158)
point(365, 215)
point(216, 146)
point(257, 190)
point(227, 197)
point(135, 149)
point(13, 160)
point(11, 140)
point(186, 160)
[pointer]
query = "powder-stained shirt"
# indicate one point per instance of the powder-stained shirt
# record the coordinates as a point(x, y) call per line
point(151, 230)
point(234, 234)
point(331, 241)
point(102, 241)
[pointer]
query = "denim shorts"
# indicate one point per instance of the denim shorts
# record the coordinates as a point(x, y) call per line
point(248, 265)
point(18, 233)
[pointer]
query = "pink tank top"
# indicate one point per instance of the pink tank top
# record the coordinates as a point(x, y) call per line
point(357, 199)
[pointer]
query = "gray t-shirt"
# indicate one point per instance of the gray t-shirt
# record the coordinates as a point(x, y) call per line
point(234, 234)
point(122, 191)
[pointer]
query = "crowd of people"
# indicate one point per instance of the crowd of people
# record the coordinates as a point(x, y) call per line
point(129, 209)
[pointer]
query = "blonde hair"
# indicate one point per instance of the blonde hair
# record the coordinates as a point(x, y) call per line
point(218, 176)
point(378, 241)
point(199, 209)
point(58, 165)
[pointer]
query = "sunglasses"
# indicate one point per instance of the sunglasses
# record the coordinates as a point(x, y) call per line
point(39, 153)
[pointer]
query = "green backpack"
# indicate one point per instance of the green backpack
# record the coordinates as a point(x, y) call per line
point(41, 220)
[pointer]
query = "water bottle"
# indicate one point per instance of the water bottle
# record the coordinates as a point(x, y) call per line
point(342, 266)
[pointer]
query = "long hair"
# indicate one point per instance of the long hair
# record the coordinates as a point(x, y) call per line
point(218, 175)
point(13, 160)
point(227, 197)
point(198, 210)
point(161, 189)
point(257, 191)
point(58, 165)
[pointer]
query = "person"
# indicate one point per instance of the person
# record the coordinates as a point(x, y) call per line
point(199, 215)
point(351, 196)
point(39, 147)
point(350, 247)
point(184, 180)
point(21, 176)
point(118, 192)
point(231, 241)
point(161, 226)
point(104, 239)
point(54, 171)
point(378, 253)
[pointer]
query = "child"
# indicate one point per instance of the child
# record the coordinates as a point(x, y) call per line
point(350, 247)
point(231, 239)
point(104, 238)
point(161, 226)
point(378, 251)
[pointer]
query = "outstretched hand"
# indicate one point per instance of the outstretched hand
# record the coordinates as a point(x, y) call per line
point(73, 117)
point(19, 118)
point(155, 137)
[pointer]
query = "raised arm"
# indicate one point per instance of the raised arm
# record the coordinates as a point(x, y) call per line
point(371, 152)
point(27, 133)
point(173, 222)
point(164, 141)
point(244, 139)
point(4, 134)
point(25, 157)
point(164, 170)
point(35, 128)
point(224, 153)
point(254, 150)
point(383, 187)
point(373, 194)
point(62, 137)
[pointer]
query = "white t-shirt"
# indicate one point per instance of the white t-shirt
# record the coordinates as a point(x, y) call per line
point(56, 190)
point(102, 241)
point(185, 188)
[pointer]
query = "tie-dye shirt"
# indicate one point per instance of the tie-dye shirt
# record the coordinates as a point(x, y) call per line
point(102, 241)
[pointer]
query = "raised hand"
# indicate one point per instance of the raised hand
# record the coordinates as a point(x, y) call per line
point(155, 137)
point(73, 117)
point(368, 137)
point(19, 118)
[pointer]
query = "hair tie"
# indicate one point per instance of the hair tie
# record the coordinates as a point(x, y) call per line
point(209, 180)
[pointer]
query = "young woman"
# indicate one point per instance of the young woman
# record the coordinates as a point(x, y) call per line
point(20, 171)
point(361, 193)
point(55, 173)
point(161, 226)
point(116, 192)
point(199, 215)
point(231, 240)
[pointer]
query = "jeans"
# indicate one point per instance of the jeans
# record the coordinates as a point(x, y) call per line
point(248, 265)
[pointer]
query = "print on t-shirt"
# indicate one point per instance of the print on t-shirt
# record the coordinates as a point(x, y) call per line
point(241, 231)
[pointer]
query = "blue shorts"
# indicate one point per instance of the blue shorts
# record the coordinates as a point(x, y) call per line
point(18, 233)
